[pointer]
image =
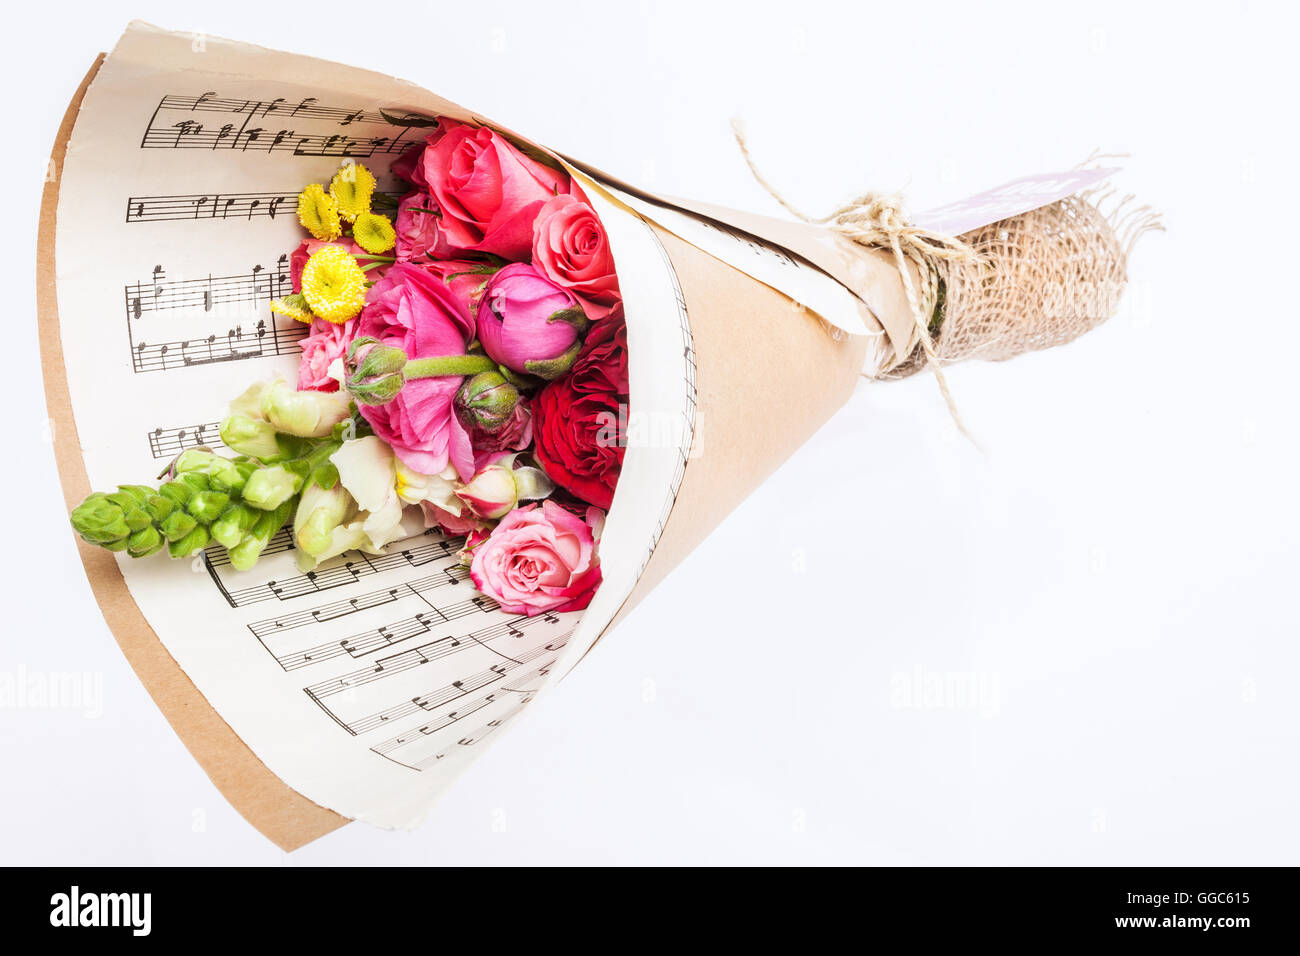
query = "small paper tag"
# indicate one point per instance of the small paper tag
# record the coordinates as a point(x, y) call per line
point(1009, 199)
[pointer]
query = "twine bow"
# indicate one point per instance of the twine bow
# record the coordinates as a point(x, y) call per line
point(876, 220)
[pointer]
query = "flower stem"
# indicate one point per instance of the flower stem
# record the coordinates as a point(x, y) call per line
point(448, 365)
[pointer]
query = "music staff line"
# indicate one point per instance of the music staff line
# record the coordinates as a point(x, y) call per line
point(353, 566)
point(452, 574)
point(419, 656)
point(385, 636)
point(159, 294)
point(170, 442)
point(216, 207)
point(478, 735)
point(174, 125)
point(455, 691)
point(308, 108)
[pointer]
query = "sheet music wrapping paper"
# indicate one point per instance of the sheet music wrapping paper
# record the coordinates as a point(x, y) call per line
point(369, 684)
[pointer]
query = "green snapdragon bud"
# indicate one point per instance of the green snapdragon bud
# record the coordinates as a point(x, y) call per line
point(235, 522)
point(100, 521)
point(306, 414)
point(268, 488)
point(250, 436)
point(319, 512)
point(245, 554)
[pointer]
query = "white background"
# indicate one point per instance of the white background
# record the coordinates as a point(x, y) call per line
point(1117, 576)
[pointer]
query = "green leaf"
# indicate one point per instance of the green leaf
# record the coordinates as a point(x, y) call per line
point(410, 120)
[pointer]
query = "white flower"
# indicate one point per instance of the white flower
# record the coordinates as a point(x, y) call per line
point(368, 470)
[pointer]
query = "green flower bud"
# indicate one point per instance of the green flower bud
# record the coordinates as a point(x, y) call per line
point(235, 522)
point(206, 506)
point(177, 492)
point(190, 544)
point(177, 525)
point(320, 511)
point(245, 554)
point(100, 521)
point(250, 436)
point(268, 488)
point(144, 542)
point(374, 371)
point(486, 401)
point(307, 414)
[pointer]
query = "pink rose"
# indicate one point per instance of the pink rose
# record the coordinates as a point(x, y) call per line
point(415, 311)
point(538, 560)
point(418, 235)
point(489, 192)
point(570, 247)
point(528, 323)
point(326, 342)
point(455, 525)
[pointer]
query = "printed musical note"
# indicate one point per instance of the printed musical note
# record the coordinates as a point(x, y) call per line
point(237, 294)
point(298, 128)
point(170, 442)
point(215, 207)
point(347, 568)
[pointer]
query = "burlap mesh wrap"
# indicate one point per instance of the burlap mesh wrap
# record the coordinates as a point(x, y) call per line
point(1043, 278)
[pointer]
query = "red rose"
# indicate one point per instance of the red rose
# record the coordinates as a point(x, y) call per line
point(601, 366)
point(578, 441)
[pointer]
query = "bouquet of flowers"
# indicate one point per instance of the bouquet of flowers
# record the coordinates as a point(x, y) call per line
point(480, 442)
point(465, 369)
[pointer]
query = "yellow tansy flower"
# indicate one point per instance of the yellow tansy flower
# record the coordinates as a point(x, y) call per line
point(293, 306)
point(352, 187)
point(319, 213)
point(374, 233)
point(333, 284)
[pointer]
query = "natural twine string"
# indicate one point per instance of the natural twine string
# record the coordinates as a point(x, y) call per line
point(876, 220)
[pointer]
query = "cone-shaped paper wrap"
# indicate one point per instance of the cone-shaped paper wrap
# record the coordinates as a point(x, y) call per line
point(360, 690)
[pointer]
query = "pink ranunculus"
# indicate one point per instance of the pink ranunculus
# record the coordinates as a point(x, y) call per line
point(326, 342)
point(418, 235)
point(489, 192)
point(515, 435)
point(415, 311)
point(570, 248)
point(538, 559)
point(298, 258)
point(528, 323)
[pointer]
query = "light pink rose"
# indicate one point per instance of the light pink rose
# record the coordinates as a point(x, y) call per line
point(529, 323)
point(489, 192)
point(571, 249)
point(326, 342)
point(455, 525)
point(416, 311)
point(538, 559)
point(418, 235)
